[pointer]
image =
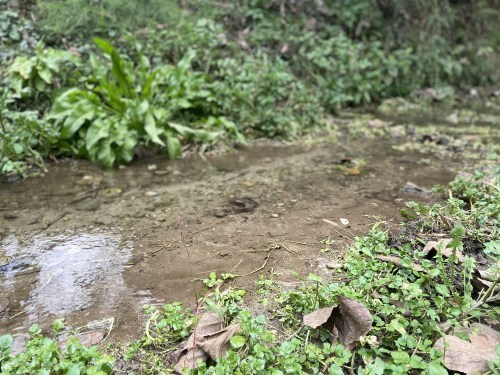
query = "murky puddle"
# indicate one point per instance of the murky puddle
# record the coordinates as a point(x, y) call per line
point(85, 244)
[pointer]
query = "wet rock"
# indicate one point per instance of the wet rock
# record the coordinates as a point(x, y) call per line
point(412, 188)
point(11, 216)
point(243, 204)
point(88, 205)
point(110, 193)
point(90, 181)
point(221, 213)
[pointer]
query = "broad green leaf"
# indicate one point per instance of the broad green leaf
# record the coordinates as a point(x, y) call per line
point(442, 289)
point(173, 147)
point(436, 368)
point(74, 370)
point(46, 75)
point(57, 325)
point(6, 342)
point(40, 84)
point(181, 129)
point(237, 341)
point(126, 152)
point(97, 131)
point(104, 45)
point(152, 130)
point(106, 156)
point(315, 278)
point(143, 107)
point(120, 75)
point(18, 148)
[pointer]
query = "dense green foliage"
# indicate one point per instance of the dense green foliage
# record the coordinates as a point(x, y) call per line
point(259, 68)
point(44, 356)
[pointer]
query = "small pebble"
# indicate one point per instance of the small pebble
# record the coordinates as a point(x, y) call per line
point(275, 215)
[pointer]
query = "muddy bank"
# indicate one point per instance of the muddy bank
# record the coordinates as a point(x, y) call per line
point(86, 244)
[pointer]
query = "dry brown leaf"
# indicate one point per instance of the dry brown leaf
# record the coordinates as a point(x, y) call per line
point(352, 320)
point(398, 262)
point(470, 357)
point(442, 246)
point(190, 358)
point(217, 345)
point(318, 317)
point(208, 324)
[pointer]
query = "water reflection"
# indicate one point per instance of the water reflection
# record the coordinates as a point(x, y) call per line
point(64, 274)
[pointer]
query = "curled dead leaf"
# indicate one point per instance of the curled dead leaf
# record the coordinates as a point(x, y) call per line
point(210, 339)
point(319, 317)
point(469, 356)
point(217, 345)
point(348, 321)
point(352, 320)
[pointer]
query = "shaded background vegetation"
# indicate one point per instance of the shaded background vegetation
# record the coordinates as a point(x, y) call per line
point(256, 68)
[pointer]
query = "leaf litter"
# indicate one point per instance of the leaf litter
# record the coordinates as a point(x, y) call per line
point(348, 321)
point(209, 340)
point(471, 355)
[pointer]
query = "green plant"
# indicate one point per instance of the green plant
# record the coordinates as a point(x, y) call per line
point(123, 104)
point(474, 203)
point(83, 19)
point(25, 139)
point(43, 355)
point(263, 97)
point(36, 74)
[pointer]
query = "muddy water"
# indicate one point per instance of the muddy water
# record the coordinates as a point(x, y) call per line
point(85, 244)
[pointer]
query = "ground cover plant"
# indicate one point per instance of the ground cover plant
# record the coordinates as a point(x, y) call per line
point(406, 302)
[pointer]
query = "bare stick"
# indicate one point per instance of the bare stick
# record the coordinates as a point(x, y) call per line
point(271, 249)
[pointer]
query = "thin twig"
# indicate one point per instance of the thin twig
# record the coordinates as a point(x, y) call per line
point(271, 249)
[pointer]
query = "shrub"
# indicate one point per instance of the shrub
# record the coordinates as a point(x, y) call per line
point(123, 104)
point(25, 139)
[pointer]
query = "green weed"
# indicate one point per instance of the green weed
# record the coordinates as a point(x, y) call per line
point(43, 355)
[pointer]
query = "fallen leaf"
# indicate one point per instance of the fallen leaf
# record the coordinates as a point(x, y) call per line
point(352, 320)
point(189, 358)
point(442, 246)
point(217, 345)
point(398, 262)
point(469, 357)
point(319, 317)
point(210, 339)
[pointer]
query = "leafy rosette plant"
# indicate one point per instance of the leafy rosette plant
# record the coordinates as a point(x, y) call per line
point(124, 104)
